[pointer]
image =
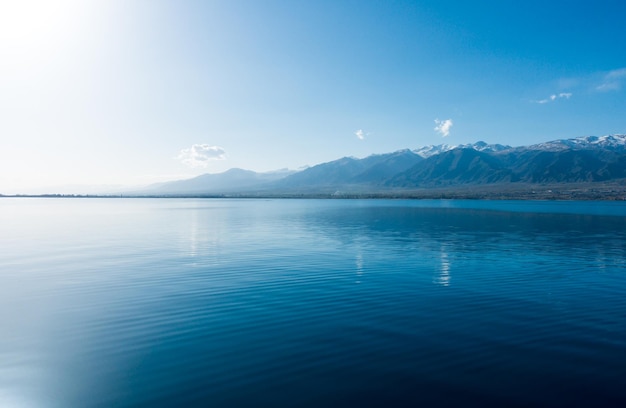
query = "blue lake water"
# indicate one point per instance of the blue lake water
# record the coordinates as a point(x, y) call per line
point(276, 303)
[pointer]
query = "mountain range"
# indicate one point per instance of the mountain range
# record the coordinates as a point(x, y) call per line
point(578, 160)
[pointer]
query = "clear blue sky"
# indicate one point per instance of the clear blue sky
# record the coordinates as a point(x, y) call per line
point(131, 92)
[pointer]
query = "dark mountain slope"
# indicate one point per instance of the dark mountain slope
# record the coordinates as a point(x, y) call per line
point(350, 171)
point(325, 174)
point(564, 166)
point(388, 166)
point(458, 166)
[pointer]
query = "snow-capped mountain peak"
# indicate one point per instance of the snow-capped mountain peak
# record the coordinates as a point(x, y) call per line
point(612, 142)
point(603, 141)
point(432, 150)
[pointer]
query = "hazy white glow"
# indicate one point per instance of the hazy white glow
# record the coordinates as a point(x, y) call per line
point(24, 20)
point(28, 27)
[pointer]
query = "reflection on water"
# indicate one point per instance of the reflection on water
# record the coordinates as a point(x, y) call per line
point(193, 233)
point(359, 266)
point(443, 278)
point(253, 302)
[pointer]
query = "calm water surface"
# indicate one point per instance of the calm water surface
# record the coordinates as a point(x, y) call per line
point(167, 302)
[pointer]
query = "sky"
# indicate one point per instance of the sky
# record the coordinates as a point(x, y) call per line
point(132, 92)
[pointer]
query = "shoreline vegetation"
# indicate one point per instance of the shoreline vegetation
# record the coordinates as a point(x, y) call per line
point(613, 191)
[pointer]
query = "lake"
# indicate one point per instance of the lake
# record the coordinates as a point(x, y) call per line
point(280, 303)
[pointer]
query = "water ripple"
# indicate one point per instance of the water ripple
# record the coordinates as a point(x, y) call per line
point(309, 303)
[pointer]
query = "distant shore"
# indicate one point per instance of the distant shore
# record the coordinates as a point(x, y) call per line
point(613, 191)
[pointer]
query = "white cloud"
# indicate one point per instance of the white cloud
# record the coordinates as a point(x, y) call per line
point(361, 134)
point(199, 155)
point(612, 81)
point(554, 97)
point(443, 127)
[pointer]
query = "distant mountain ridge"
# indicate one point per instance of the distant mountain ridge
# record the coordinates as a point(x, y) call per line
point(432, 150)
point(232, 180)
point(351, 171)
point(581, 159)
point(610, 142)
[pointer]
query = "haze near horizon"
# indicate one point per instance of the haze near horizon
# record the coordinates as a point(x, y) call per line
point(132, 93)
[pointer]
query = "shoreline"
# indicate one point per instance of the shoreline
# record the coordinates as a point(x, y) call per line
point(550, 192)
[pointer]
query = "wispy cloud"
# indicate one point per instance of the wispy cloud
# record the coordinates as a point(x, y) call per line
point(554, 97)
point(199, 155)
point(361, 134)
point(443, 127)
point(582, 86)
point(612, 80)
